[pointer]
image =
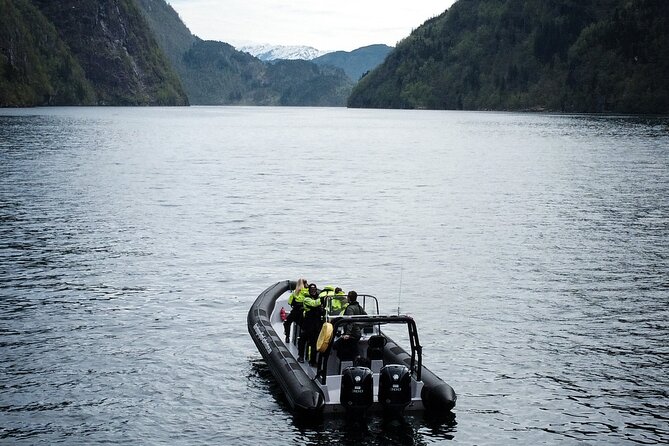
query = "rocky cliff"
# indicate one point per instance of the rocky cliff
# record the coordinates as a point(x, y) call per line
point(77, 52)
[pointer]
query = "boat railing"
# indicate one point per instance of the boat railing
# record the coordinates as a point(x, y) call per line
point(376, 321)
point(368, 302)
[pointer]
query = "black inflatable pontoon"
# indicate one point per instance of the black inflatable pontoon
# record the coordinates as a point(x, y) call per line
point(390, 378)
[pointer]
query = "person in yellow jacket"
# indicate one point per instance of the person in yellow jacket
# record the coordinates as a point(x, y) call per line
point(333, 299)
point(338, 302)
point(295, 300)
point(326, 294)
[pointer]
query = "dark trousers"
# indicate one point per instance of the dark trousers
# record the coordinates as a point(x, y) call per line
point(295, 315)
point(311, 327)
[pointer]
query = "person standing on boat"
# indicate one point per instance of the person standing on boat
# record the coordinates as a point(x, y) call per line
point(326, 295)
point(347, 344)
point(338, 302)
point(295, 300)
point(311, 326)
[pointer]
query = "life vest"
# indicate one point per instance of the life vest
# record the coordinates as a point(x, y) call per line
point(328, 291)
point(338, 303)
point(297, 300)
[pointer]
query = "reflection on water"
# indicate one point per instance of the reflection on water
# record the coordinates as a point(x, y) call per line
point(531, 249)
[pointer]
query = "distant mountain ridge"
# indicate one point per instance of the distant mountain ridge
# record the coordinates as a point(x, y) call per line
point(215, 73)
point(357, 62)
point(354, 63)
point(268, 52)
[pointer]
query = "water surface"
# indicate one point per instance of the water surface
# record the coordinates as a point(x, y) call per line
point(532, 249)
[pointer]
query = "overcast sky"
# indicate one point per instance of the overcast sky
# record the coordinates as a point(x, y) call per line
point(324, 25)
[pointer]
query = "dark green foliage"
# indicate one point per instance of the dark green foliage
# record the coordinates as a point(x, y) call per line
point(117, 51)
point(36, 68)
point(215, 74)
point(81, 52)
point(300, 82)
point(170, 32)
point(564, 55)
point(357, 62)
point(622, 64)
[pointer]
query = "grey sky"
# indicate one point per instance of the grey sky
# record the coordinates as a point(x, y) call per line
point(325, 25)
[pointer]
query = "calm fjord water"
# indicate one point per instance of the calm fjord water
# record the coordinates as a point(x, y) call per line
point(533, 250)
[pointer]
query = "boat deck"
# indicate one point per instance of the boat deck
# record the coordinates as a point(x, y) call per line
point(331, 388)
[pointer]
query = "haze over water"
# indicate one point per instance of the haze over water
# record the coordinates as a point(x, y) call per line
point(532, 250)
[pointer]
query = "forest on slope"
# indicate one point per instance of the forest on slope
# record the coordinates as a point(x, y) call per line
point(139, 52)
point(558, 55)
point(215, 73)
point(357, 62)
point(81, 52)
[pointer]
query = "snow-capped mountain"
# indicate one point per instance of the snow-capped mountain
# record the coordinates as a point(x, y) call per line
point(273, 52)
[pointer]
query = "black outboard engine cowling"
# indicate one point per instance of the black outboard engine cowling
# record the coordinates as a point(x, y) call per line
point(357, 390)
point(395, 388)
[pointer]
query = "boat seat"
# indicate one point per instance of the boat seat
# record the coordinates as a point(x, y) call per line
point(377, 365)
point(375, 346)
point(344, 365)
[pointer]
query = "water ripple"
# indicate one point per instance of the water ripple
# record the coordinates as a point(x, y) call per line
point(533, 251)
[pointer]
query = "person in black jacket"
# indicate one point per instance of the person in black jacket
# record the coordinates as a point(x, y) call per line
point(311, 326)
point(347, 344)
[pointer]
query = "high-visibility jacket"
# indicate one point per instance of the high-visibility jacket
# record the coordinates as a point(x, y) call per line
point(312, 307)
point(326, 296)
point(328, 291)
point(338, 303)
point(298, 299)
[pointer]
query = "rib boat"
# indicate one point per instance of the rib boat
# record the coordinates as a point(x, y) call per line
point(384, 377)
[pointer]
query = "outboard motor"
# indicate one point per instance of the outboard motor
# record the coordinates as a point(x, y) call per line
point(357, 392)
point(394, 388)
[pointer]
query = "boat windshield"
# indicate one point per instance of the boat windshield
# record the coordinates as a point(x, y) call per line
point(368, 302)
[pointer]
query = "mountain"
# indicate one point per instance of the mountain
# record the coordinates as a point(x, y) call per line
point(304, 83)
point(215, 73)
point(170, 32)
point(139, 52)
point(562, 55)
point(357, 62)
point(81, 52)
point(36, 67)
point(267, 52)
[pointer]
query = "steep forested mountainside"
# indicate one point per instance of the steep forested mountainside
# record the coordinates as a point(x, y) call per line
point(81, 52)
point(36, 67)
point(117, 50)
point(302, 82)
point(172, 34)
point(563, 55)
